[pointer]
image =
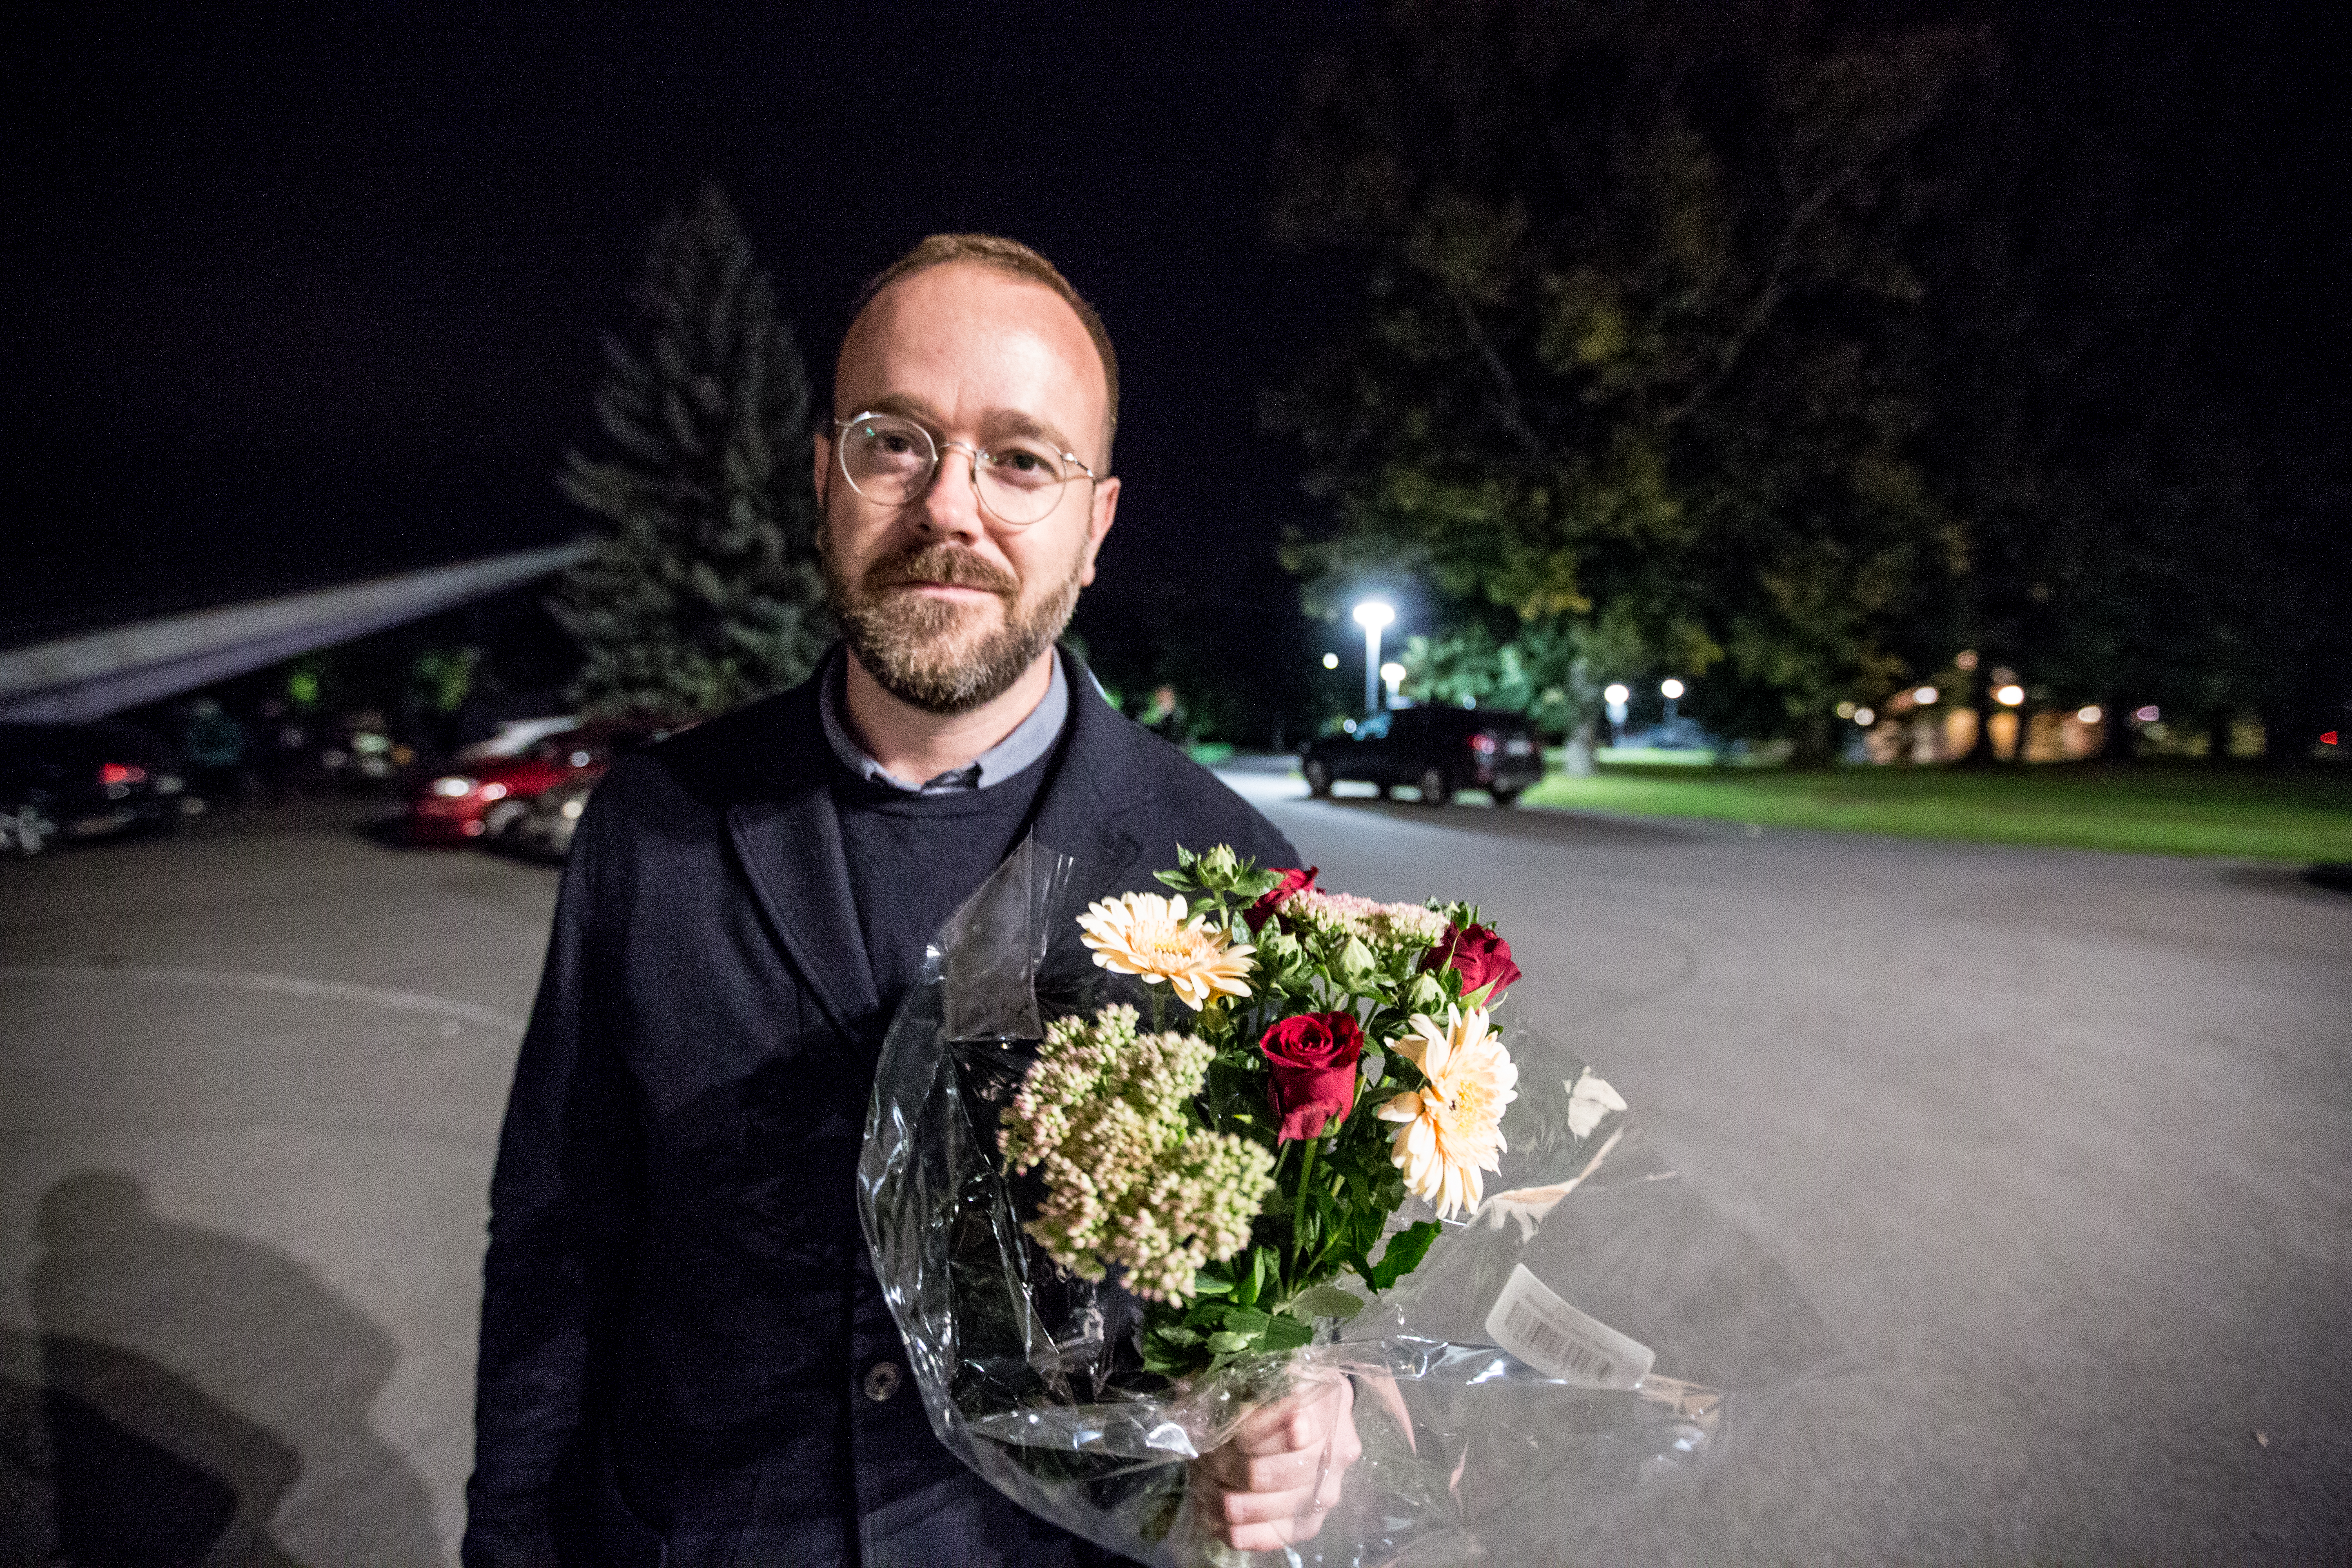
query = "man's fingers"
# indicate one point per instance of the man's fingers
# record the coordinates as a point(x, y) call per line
point(1265, 1472)
point(1301, 1421)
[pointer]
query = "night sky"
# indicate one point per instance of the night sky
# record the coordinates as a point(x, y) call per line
point(307, 293)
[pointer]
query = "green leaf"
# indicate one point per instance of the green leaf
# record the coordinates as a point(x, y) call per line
point(1176, 880)
point(1207, 1284)
point(1178, 1334)
point(1285, 1335)
point(1228, 1343)
point(1326, 1302)
point(1402, 1255)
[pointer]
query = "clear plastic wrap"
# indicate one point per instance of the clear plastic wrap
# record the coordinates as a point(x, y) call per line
point(1637, 1307)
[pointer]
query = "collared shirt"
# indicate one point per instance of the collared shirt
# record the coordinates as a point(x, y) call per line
point(1030, 739)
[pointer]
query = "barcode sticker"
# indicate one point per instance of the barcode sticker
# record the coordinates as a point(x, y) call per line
point(1554, 1338)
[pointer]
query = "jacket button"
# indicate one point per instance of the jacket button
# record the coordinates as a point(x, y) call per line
point(882, 1381)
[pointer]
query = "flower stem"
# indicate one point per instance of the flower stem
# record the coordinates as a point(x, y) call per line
point(1298, 1214)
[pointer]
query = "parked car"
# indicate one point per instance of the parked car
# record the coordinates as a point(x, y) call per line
point(484, 797)
point(1436, 750)
point(544, 829)
point(83, 780)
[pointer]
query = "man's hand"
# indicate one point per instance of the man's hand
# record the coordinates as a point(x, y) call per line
point(1280, 1473)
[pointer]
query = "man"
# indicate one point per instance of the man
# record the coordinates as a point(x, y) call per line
point(684, 1356)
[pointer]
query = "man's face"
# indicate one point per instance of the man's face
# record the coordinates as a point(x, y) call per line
point(943, 604)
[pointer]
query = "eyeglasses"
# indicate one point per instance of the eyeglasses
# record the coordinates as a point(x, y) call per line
point(892, 461)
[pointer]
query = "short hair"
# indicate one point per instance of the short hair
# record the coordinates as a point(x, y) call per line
point(1008, 256)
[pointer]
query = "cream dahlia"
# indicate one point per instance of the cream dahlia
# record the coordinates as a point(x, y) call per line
point(1151, 935)
point(1453, 1128)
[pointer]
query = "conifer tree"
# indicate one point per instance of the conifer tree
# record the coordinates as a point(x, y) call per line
point(701, 589)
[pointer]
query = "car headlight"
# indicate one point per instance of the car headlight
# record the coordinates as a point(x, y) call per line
point(453, 786)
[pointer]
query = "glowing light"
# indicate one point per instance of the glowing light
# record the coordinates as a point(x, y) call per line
point(1845, 709)
point(1617, 692)
point(2092, 714)
point(1394, 673)
point(2149, 714)
point(453, 786)
point(2009, 696)
point(2329, 739)
point(494, 792)
point(581, 759)
point(1670, 688)
point(1371, 614)
point(1349, 725)
point(1925, 696)
point(1330, 661)
point(571, 809)
point(1864, 717)
point(1966, 659)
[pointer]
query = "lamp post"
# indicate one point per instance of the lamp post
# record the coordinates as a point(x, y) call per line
point(1372, 614)
point(1671, 690)
point(1617, 695)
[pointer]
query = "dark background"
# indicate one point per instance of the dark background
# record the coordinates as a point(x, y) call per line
point(307, 293)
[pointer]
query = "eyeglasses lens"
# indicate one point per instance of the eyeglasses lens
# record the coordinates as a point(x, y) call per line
point(891, 462)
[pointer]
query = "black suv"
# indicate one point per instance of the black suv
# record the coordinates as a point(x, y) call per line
point(1434, 749)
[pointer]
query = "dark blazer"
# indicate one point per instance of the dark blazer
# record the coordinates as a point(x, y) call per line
point(680, 1324)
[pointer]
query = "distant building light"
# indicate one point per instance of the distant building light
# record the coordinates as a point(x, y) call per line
point(2009, 696)
point(1670, 688)
point(1966, 659)
point(1845, 709)
point(1864, 717)
point(2149, 714)
point(1330, 661)
point(2092, 714)
point(1925, 696)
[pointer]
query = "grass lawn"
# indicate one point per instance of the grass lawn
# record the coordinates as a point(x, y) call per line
point(2153, 808)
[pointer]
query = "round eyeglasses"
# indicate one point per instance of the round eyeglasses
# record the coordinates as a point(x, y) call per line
point(891, 461)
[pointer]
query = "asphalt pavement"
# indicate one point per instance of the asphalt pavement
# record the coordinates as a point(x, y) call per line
point(2054, 1143)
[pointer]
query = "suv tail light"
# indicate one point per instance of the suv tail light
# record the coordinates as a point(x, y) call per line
point(1483, 744)
point(121, 773)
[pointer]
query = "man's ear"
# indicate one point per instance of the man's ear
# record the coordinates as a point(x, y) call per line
point(821, 468)
point(1098, 519)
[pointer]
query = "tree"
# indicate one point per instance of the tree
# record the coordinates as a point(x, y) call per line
point(1640, 333)
point(701, 590)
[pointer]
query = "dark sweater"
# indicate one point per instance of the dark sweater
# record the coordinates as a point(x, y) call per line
point(914, 858)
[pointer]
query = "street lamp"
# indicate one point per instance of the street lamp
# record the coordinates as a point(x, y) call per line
point(1392, 675)
point(1372, 614)
point(1617, 694)
point(1671, 690)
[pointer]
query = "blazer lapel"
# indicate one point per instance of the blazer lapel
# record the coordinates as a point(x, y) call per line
point(789, 842)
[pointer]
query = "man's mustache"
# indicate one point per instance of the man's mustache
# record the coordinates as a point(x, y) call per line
point(940, 564)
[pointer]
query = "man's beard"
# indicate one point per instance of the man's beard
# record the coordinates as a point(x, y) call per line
point(924, 651)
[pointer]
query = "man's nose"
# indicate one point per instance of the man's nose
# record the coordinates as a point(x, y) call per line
point(951, 507)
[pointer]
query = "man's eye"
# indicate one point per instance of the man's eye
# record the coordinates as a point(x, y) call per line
point(1024, 465)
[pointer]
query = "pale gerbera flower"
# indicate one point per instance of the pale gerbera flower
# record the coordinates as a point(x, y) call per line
point(1454, 1128)
point(1149, 935)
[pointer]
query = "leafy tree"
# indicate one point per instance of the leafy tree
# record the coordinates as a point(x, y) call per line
point(1639, 334)
point(701, 591)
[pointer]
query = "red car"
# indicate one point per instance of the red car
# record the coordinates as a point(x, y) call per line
point(485, 797)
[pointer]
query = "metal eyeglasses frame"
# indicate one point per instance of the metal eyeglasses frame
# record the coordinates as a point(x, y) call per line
point(940, 450)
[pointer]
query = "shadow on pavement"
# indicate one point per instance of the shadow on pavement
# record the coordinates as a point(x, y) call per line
point(110, 1451)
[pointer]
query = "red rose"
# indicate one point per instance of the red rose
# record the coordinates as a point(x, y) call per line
point(1293, 880)
point(1314, 1058)
point(1478, 955)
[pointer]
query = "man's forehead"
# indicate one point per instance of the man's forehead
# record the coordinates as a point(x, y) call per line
point(942, 311)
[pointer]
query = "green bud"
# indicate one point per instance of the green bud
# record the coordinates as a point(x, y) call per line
point(1219, 865)
point(1425, 995)
point(1353, 965)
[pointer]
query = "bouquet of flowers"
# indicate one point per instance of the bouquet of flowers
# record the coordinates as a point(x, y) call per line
point(1115, 1210)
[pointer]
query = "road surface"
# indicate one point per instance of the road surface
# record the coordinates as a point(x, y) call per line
point(2055, 1144)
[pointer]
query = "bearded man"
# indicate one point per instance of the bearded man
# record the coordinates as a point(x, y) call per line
point(685, 1357)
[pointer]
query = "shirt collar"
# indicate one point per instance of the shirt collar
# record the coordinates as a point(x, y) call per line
point(1030, 739)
